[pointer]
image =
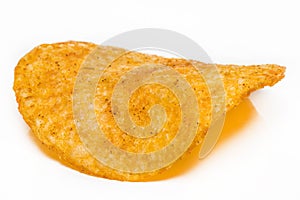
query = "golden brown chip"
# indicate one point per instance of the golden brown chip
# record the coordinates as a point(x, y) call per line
point(44, 87)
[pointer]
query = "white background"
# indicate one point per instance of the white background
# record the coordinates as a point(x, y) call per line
point(258, 159)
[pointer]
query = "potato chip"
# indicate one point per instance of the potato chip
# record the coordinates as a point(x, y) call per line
point(50, 100)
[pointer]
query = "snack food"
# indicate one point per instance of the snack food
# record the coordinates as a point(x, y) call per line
point(44, 86)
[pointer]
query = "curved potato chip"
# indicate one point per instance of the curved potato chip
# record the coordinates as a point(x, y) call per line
point(44, 85)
